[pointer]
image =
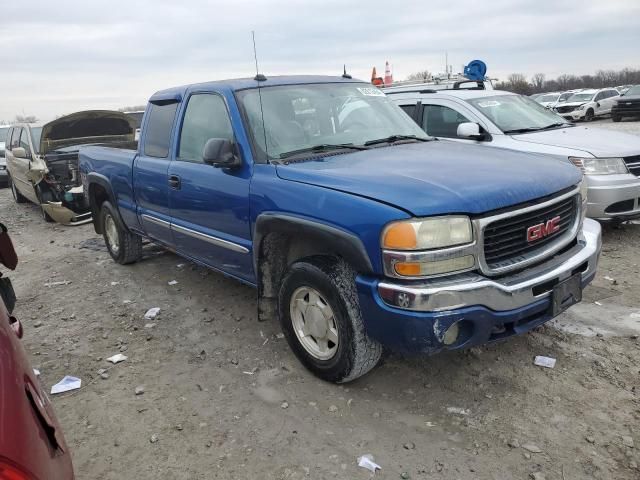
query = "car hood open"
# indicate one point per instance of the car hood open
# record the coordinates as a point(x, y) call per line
point(91, 126)
point(438, 177)
point(599, 142)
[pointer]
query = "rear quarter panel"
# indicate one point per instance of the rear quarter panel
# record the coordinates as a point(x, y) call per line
point(115, 167)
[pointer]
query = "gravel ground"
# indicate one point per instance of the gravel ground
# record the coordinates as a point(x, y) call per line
point(225, 398)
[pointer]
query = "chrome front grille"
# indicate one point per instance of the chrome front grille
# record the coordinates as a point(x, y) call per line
point(506, 244)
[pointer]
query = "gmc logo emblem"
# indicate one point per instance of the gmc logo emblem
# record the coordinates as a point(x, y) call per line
point(536, 232)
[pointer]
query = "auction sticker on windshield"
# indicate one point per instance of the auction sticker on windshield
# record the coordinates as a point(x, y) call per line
point(489, 103)
point(371, 92)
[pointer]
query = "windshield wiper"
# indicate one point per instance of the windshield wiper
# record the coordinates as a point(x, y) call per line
point(323, 147)
point(537, 129)
point(395, 138)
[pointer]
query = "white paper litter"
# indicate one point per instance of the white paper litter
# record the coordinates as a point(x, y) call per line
point(173, 282)
point(36, 372)
point(458, 410)
point(117, 358)
point(544, 361)
point(598, 303)
point(113, 284)
point(366, 461)
point(66, 384)
point(152, 313)
point(180, 265)
point(55, 284)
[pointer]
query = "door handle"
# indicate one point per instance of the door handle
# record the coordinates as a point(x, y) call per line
point(174, 182)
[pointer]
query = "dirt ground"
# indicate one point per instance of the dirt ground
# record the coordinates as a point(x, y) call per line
point(225, 398)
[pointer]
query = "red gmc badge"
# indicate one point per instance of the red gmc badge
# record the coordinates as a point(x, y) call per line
point(541, 230)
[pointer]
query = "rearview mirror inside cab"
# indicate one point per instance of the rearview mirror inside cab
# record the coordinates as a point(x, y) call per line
point(470, 130)
point(220, 153)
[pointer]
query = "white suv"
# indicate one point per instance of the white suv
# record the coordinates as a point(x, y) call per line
point(3, 161)
point(588, 104)
point(610, 160)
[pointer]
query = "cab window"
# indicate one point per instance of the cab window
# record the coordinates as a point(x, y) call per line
point(158, 130)
point(206, 117)
point(15, 138)
point(440, 121)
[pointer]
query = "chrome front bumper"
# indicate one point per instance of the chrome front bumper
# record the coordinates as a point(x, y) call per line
point(499, 294)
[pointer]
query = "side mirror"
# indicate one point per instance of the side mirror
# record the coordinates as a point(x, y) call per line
point(598, 104)
point(19, 152)
point(220, 153)
point(470, 130)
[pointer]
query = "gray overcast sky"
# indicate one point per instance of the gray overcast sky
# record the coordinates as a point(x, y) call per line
point(67, 55)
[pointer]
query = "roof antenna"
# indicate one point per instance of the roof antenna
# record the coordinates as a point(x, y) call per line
point(345, 74)
point(260, 78)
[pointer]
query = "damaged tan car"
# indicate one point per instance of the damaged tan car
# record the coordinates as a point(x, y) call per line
point(42, 161)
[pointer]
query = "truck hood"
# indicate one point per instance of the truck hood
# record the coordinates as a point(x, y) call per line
point(599, 142)
point(438, 177)
point(92, 126)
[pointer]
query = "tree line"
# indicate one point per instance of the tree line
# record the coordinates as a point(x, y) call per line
point(518, 83)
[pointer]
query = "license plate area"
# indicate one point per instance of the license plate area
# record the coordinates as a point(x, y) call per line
point(566, 293)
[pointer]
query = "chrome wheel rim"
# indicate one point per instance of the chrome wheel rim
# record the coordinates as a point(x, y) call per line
point(314, 323)
point(111, 232)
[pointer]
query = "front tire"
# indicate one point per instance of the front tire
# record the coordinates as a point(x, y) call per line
point(321, 320)
point(589, 115)
point(616, 118)
point(17, 196)
point(123, 246)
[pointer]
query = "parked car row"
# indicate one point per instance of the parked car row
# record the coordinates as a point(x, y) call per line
point(587, 104)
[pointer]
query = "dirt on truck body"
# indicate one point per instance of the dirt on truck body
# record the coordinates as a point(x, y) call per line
point(43, 161)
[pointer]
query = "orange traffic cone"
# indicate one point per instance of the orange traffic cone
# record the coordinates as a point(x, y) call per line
point(388, 78)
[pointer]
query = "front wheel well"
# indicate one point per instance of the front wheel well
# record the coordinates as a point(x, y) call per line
point(277, 252)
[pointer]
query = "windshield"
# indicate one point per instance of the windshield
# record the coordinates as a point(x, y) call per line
point(300, 117)
point(3, 134)
point(581, 97)
point(515, 112)
point(548, 98)
point(635, 90)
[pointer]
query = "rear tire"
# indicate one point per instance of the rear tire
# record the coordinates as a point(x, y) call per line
point(589, 115)
point(17, 196)
point(616, 118)
point(321, 320)
point(123, 246)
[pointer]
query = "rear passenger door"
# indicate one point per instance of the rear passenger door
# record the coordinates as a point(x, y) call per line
point(209, 205)
point(151, 172)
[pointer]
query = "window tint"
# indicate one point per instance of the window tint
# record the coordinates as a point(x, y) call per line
point(7, 141)
point(409, 109)
point(24, 141)
point(206, 117)
point(158, 132)
point(439, 121)
point(599, 96)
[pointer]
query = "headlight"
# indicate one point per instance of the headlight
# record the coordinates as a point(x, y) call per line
point(427, 234)
point(581, 107)
point(600, 166)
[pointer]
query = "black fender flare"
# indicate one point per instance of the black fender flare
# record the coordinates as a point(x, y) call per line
point(94, 178)
point(344, 243)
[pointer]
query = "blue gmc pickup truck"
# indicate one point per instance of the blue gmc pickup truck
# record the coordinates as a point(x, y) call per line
point(357, 229)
